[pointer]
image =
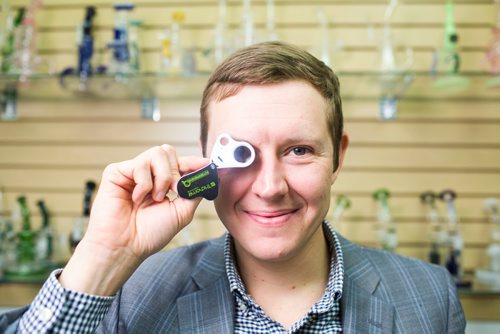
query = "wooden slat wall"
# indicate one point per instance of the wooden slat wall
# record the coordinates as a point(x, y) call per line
point(56, 145)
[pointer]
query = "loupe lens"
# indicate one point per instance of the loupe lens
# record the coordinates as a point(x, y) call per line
point(242, 154)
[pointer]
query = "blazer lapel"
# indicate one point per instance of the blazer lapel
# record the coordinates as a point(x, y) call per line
point(362, 311)
point(210, 309)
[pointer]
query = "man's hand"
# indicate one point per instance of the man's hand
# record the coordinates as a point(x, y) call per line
point(131, 219)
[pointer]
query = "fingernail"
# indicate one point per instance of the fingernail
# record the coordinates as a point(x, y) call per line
point(160, 196)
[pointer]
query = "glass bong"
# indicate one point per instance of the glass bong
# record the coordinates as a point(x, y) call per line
point(341, 205)
point(85, 70)
point(491, 275)
point(446, 61)
point(455, 239)
point(492, 53)
point(491, 208)
point(387, 229)
point(25, 59)
point(437, 236)
point(394, 76)
point(26, 264)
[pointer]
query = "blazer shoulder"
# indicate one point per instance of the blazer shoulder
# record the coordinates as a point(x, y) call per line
point(398, 275)
point(385, 263)
point(384, 259)
point(396, 266)
point(424, 295)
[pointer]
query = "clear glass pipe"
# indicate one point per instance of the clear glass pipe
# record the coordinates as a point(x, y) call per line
point(8, 242)
point(120, 63)
point(341, 205)
point(428, 199)
point(25, 59)
point(387, 229)
point(9, 27)
point(491, 208)
point(394, 77)
point(220, 33)
point(388, 63)
point(80, 223)
point(324, 34)
point(3, 234)
point(5, 20)
point(248, 24)
point(178, 18)
point(134, 49)
point(455, 240)
point(172, 52)
point(272, 35)
point(45, 236)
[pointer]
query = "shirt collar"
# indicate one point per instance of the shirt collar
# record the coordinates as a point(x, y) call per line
point(333, 291)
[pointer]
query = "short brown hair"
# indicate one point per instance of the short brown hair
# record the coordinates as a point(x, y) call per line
point(268, 63)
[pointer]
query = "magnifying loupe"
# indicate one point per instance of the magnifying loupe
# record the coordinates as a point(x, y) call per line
point(226, 153)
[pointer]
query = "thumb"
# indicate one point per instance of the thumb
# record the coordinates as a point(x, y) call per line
point(185, 209)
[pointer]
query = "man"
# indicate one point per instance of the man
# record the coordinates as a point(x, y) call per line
point(281, 268)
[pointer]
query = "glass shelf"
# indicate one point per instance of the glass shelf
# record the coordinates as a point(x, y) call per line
point(423, 86)
point(354, 85)
point(150, 87)
point(479, 289)
point(129, 86)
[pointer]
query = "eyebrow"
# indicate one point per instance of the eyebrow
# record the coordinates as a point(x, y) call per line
point(309, 140)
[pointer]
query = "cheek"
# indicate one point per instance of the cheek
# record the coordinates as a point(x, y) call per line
point(312, 185)
point(232, 185)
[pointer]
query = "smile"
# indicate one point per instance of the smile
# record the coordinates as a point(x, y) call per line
point(271, 218)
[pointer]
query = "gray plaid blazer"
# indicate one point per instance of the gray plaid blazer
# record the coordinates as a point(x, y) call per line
point(186, 291)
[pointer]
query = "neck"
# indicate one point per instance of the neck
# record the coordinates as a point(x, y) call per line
point(314, 264)
point(299, 280)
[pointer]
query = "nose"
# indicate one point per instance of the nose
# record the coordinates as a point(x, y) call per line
point(270, 181)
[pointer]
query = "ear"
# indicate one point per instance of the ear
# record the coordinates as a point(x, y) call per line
point(344, 143)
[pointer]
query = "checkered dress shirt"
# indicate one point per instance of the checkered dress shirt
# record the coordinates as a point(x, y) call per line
point(79, 312)
point(323, 317)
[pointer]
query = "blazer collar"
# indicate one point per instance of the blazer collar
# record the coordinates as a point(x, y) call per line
point(362, 311)
point(211, 308)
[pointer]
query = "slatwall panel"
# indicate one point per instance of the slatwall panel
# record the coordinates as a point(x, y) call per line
point(59, 141)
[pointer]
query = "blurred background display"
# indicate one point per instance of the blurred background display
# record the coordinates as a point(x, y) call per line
point(85, 84)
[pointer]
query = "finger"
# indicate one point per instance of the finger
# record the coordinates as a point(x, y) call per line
point(163, 169)
point(191, 163)
point(119, 174)
point(142, 178)
point(182, 165)
point(173, 166)
point(171, 155)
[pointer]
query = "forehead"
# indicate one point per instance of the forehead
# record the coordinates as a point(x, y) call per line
point(289, 106)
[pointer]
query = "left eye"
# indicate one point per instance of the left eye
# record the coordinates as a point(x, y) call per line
point(300, 150)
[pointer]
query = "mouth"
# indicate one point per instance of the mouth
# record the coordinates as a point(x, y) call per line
point(271, 217)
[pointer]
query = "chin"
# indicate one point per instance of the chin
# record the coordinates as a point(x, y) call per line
point(269, 249)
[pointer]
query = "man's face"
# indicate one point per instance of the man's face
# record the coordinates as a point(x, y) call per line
point(273, 208)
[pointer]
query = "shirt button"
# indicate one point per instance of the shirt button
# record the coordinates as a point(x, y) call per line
point(243, 307)
point(45, 314)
